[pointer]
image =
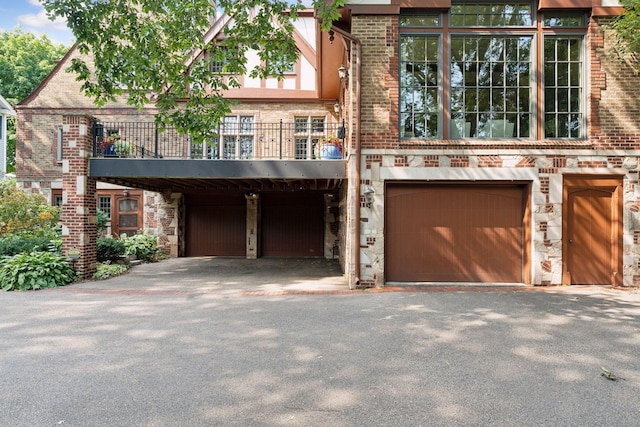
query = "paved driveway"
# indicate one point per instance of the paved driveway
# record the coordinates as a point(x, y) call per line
point(228, 275)
point(201, 351)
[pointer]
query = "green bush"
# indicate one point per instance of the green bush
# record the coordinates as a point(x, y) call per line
point(102, 221)
point(25, 214)
point(109, 249)
point(104, 270)
point(143, 246)
point(35, 270)
point(13, 245)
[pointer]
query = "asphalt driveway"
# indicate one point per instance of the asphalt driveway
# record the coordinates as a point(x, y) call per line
point(227, 275)
point(126, 352)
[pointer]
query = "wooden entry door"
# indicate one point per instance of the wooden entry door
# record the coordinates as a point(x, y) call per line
point(127, 219)
point(593, 234)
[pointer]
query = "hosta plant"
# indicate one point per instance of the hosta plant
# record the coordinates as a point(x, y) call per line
point(35, 270)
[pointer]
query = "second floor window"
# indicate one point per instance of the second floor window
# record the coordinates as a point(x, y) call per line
point(490, 86)
point(308, 131)
point(474, 76)
point(237, 137)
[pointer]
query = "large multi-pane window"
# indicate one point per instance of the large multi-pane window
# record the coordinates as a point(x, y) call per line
point(472, 73)
point(307, 132)
point(233, 139)
point(419, 85)
point(237, 137)
point(490, 86)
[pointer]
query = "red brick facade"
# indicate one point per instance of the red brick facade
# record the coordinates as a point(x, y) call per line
point(79, 205)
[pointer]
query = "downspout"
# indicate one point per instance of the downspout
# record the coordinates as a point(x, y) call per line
point(356, 149)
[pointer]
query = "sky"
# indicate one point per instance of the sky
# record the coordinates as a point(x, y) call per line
point(30, 15)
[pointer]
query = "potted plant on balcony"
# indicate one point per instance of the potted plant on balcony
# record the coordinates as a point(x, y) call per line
point(330, 148)
point(106, 146)
point(123, 148)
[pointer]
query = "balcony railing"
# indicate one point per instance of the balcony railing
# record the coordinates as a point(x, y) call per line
point(233, 140)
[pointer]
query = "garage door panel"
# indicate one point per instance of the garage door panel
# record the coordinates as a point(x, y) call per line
point(292, 224)
point(454, 233)
point(216, 225)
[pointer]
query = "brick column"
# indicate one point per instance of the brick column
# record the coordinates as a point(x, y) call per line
point(79, 193)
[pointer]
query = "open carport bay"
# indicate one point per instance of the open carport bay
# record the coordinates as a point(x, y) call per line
point(484, 357)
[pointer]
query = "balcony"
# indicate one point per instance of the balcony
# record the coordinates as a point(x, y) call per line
point(239, 154)
point(236, 140)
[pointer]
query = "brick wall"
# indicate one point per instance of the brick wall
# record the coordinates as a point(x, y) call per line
point(615, 106)
point(612, 110)
point(79, 205)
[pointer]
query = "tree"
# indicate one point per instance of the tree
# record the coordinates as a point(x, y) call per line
point(627, 27)
point(144, 49)
point(24, 62)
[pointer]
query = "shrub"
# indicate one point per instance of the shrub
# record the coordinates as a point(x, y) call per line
point(104, 270)
point(13, 245)
point(35, 270)
point(102, 221)
point(109, 249)
point(24, 214)
point(143, 246)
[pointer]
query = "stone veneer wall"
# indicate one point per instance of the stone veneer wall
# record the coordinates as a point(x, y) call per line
point(612, 148)
point(162, 218)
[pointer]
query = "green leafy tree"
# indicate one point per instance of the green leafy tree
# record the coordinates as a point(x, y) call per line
point(26, 215)
point(146, 47)
point(24, 62)
point(627, 27)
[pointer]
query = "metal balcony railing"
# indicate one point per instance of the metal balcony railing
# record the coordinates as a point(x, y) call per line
point(241, 139)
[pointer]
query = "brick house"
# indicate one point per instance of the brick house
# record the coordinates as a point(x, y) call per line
point(499, 141)
point(256, 188)
point(484, 142)
point(5, 112)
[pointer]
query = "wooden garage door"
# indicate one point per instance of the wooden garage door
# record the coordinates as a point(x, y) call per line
point(454, 233)
point(292, 224)
point(215, 225)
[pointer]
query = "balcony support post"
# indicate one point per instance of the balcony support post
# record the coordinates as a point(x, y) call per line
point(78, 194)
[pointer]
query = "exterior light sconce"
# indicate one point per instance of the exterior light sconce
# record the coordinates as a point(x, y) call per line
point(336, 108)
point(368, 195)
point(343, 73)
point(125, 192)
point(251, 195)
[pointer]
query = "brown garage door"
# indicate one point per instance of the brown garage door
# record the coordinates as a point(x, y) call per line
point(216, 224)
point(454, 233)
point(292, 224)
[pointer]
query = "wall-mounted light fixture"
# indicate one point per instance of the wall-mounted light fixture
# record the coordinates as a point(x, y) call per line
point(336, 108)
point(368, 195)
point(251, 195)
point(343, 73)
point(125, 192)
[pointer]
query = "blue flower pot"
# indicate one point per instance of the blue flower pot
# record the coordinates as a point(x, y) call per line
point(109, 151)
point(330, 152)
